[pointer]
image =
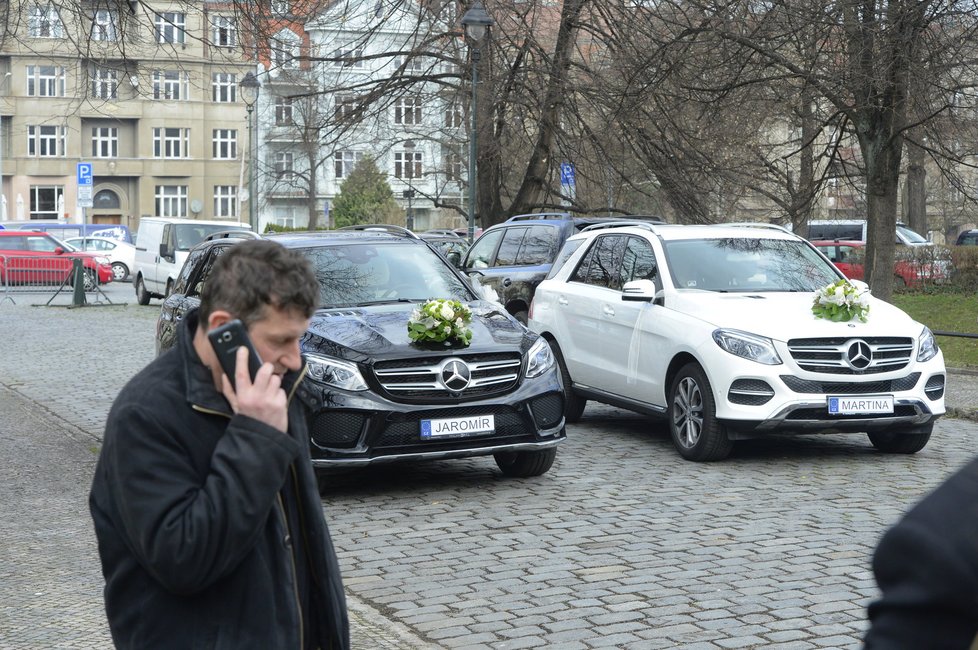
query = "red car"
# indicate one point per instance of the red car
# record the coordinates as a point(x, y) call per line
point(38, 258)
point(848, 257)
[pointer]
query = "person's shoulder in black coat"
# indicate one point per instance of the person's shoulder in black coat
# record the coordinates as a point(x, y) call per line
point(926, 567)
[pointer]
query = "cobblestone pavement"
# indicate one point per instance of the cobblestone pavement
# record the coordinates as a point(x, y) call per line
point(621, 545)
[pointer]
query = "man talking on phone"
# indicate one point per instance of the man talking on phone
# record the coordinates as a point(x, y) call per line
point(209, 523)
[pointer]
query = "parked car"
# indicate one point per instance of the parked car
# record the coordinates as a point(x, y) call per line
point(849, 257)
point(967, 238)
point(63, 230)
point(513, 257)
point(377, 392)
point(28, 257)
point(162, 248)
point(711, 327)
point(121, 255)
point(855, 230)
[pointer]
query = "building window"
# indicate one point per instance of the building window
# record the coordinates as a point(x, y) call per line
point(46, 141)
point(105, 142)
point(453, 115)
point(407, 110)
point(453, 163)
point(407, 164)
point(348, 57)
point(105, 25)
point(45, 81)
point(285, 51)
point(171, 27)
point(224, 33)
point(224, 87)
point(345, 161)
point(171, 143)
point(225, 143)
point(225, 201)
point(283, 111)
point(281, 7)
point(45, 22)
point(45, 200)
point(347, 108)
point(105, 83)
point(414, 65)
point(171, 84)
point(171, 201)
point(284, 165)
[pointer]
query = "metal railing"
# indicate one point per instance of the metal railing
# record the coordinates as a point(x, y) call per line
point(42, 274)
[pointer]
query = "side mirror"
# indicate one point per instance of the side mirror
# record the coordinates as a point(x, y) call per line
point(165, 251)
point(58, 250)
point(638, 291)
point(455, 258)
point(860, 285)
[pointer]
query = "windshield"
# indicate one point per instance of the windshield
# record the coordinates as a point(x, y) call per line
point(191, 234)
point(912, 236)
point(744, 264)
point(363, 274)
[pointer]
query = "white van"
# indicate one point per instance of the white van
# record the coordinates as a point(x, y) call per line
point(162, 244)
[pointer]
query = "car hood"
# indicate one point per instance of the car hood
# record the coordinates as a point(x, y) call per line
point(774, 314)
point(366, 334)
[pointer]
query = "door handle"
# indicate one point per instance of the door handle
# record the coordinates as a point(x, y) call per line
point(562, 301)
point(608, 310)
point(507, 282)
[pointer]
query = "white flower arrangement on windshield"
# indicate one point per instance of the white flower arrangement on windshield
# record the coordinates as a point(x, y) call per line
point(441, 321)
point(841, 301)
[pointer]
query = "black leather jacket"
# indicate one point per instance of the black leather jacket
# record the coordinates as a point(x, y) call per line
point(188, 511)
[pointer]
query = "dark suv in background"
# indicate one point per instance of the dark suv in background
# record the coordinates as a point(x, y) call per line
point(379, 397)
point(515, 256)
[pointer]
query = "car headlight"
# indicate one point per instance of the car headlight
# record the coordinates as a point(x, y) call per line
point(926, 345)
point(102, 260)
point(749, 346)
point(539, 359)
point(336, 373)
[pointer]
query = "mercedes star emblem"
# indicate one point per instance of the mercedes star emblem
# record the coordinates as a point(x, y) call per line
point(859, 355)
point(455, 375)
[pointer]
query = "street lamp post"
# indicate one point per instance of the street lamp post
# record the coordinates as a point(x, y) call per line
point(250, 88)
point(3, 197)
point(476, 23)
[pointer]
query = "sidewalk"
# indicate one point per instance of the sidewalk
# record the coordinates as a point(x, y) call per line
point(961, 393)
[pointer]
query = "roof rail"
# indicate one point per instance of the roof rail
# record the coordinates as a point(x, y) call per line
point(651, 218)
point(442, 231)
point(621, 224)
point(756, 224)
point(232, 234)
point(540, 215)
point(382, 227)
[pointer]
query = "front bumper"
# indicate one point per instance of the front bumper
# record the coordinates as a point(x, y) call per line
point(356, 429)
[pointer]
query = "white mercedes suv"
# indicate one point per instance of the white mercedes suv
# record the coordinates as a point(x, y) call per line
point(712, 328)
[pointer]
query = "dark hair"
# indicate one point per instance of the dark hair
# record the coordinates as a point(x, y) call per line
point(255, 274)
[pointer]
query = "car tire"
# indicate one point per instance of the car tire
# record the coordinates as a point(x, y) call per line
point(524, 464)
point(119, 271)
point(89, 282)
point(893, 442)
point(693, 424)
point(573, 403)
point(142, 296)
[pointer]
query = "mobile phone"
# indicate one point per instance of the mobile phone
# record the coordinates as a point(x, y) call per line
point(226, 340)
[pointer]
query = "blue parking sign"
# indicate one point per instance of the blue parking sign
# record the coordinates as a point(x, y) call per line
point(84, 173)
point(567, 174)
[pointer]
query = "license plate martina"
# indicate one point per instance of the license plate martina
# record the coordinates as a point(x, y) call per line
point(861, 405)
point(457, 427)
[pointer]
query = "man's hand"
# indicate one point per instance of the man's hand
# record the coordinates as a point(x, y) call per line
point(264, 399)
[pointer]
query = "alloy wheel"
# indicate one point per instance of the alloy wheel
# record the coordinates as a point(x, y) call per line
point(688, 411)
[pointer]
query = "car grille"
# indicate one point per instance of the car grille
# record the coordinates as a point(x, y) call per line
point(828, 355)
point(337, 428)
point(899, 411)
point(750, 392)
point(850, 388)
point(935, 387)
point(418, 380)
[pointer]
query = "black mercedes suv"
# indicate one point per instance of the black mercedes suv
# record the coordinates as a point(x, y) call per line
point(379, 395)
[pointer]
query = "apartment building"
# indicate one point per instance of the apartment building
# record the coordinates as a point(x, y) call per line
point(147, 93)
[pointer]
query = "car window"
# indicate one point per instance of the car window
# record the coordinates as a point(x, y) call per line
point(570, 246)
point(41, 244)
point(480, 255)
point(639, 262)
point(600, 266)
point(510, 248)
point(539, 246)
point(850, 255)
point(911, 236)
point(747, 264)
point(192, 263)
point(13, 243)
